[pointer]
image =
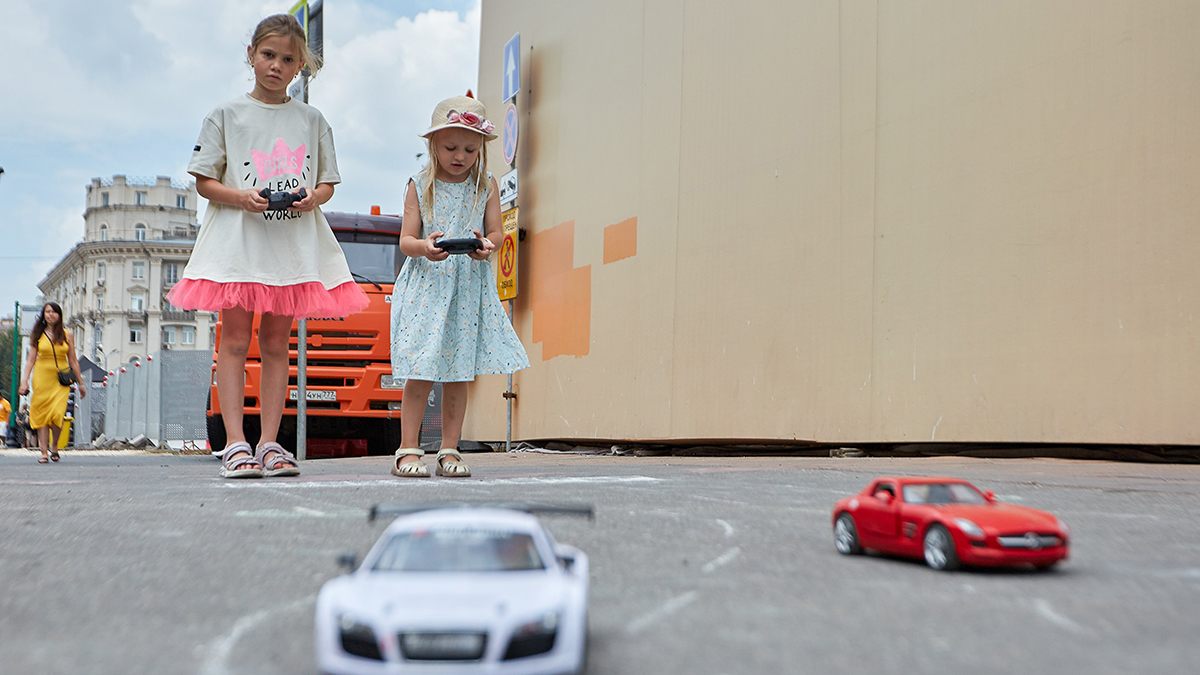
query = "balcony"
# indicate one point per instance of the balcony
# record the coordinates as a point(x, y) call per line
point(136, 315)
point(179, 315)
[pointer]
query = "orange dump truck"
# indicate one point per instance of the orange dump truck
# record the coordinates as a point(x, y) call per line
point(353, 404)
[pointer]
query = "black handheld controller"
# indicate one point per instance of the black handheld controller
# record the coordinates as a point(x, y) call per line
point(281, 200)
point(465, 245)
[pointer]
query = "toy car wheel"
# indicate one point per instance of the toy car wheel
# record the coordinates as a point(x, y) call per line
point(939, 549)
point(845, 535)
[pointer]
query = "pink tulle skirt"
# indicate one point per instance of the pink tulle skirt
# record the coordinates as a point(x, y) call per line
point(308, 300)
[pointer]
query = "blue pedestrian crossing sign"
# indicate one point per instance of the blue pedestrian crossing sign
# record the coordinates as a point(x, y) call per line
point(512, 67)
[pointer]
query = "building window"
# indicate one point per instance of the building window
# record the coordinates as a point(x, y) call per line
point(103, 232)
point(139, 232)
point(187, 335)
point(168, 335)
point(137, 302)
point(181, 201)
point(212, 335)
point(98, 336)
point(101, 271)
point(170, 273)
point(103, 199)
point(139, 270)
point(135, 335)
point(99, 302)
point(139, 198)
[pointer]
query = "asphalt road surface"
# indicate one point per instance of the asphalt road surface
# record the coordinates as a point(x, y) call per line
point(145, 563)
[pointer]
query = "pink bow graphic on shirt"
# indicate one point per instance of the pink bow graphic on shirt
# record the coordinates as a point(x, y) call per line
point(471, 120)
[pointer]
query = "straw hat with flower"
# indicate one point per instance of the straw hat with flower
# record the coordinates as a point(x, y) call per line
point(461, 112)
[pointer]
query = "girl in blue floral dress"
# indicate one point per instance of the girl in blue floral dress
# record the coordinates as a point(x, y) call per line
point(448, 324)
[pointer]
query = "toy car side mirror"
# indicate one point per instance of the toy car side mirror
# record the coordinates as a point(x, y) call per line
point(990, 496)
point(349, 561)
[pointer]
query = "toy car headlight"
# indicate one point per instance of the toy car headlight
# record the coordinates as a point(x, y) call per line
point(548, 623)
point(969, 528)
point(358, 638)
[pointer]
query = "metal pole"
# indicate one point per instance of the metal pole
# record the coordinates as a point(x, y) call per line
point(508, 395)
point(14, 397)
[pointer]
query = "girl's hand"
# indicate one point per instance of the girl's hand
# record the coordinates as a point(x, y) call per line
point(23, 389)
point(249, 200)
point(431, 250)
point(487, 249)
point(82, 391)
point(307, 204)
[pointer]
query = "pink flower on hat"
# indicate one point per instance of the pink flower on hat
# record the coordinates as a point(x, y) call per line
point(471, 120)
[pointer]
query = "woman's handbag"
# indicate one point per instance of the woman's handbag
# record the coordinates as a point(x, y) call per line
point(65, 377)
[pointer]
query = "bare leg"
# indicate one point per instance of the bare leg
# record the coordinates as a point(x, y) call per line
point(412, 412)
point(55, 433)
point(274, 333)
point(236, 327)
point(43, 435)
point(454, 411)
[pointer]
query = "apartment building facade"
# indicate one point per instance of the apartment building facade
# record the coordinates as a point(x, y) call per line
point(138, 236)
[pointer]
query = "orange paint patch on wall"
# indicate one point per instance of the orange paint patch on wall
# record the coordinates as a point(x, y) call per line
point(560, 294)
point(620, 240)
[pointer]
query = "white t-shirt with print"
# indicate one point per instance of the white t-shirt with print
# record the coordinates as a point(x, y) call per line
point(248, 144)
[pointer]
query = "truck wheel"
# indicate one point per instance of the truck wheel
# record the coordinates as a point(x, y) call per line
point(216, 428)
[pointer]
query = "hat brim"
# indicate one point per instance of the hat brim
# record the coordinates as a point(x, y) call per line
point(455, 125)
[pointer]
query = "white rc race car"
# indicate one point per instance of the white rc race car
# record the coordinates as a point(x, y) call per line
point(458, 588)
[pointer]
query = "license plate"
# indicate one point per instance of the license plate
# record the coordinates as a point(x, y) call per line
point(314, 395)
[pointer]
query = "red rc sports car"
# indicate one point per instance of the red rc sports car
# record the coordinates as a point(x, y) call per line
point(948, 522)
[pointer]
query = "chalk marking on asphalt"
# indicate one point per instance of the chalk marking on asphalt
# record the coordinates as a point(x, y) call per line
point(661, 612)
point(223, 646)
point(722, 560)
point(410, 484)
point(727, 526)
point(308, 511)
point(1043, 607)
point(296, 512)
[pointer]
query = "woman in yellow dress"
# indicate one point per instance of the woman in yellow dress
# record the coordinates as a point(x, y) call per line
point(50, 351)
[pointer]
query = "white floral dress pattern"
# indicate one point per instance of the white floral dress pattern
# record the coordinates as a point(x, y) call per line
point(447, 321)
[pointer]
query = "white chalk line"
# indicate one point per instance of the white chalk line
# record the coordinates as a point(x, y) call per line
point(661, 612)
point(728, 528)
point(1043, 607)
point(722, 560)
point(410, 483)
point(223, 646)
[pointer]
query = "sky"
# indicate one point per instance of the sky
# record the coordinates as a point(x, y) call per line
point(93, 89)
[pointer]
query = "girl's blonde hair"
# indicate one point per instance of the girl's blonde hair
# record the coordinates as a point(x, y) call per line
point(478, 174)
point(285, 25)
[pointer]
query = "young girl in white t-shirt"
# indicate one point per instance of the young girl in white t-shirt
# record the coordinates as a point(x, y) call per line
point(251, 258)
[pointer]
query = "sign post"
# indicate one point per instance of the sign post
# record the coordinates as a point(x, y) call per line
point(506, 271)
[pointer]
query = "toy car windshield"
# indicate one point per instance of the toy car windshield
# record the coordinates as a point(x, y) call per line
point(459, 550)
point(942, 493)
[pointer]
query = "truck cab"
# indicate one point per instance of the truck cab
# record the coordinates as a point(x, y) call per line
point(353, 402)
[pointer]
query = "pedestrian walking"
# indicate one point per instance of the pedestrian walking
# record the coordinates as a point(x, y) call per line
point(5, 413)
point(255, 255)
point(447, 322)
point(53, 368)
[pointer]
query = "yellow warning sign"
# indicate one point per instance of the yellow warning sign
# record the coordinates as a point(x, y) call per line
point(506, 267)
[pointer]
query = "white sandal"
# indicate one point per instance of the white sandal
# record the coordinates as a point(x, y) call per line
point(281, 463)
point(413, 469)
point(454, 469)
point(245, 466)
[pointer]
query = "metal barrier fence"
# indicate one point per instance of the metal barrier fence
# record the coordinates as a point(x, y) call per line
point(162, 397)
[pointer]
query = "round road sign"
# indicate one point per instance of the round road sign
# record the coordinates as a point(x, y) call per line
point(510, 134)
